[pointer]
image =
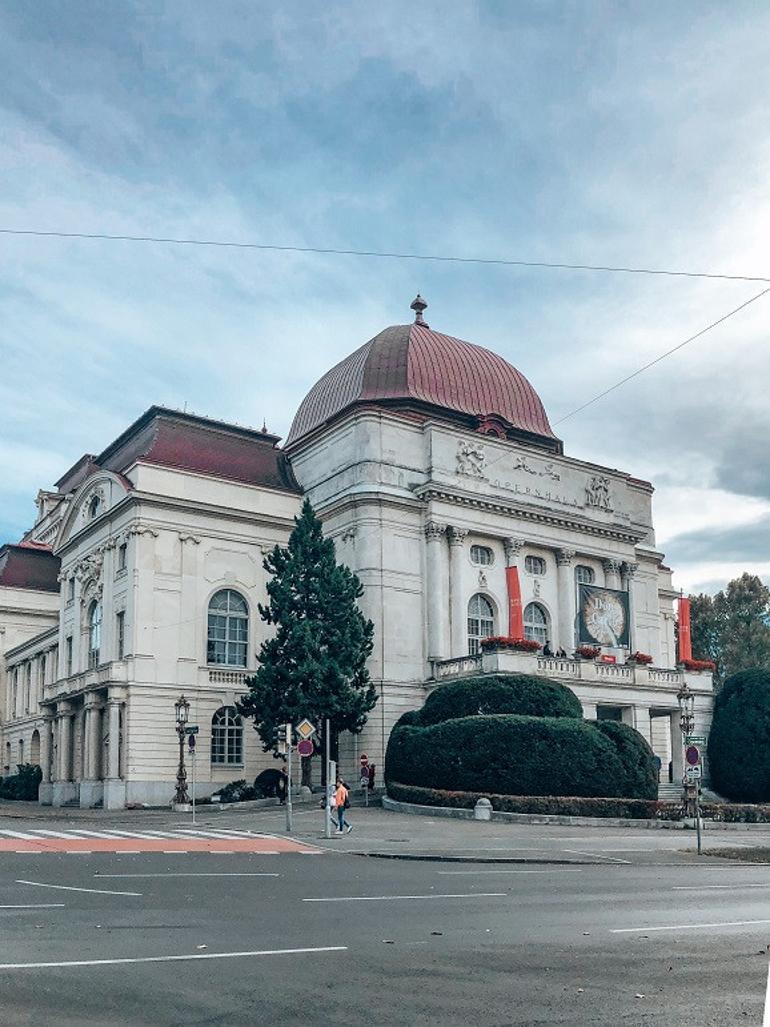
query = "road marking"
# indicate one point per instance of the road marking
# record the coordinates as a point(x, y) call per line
point(556, 870)
point(390, 898)
point(68, 887)
point(37, 905)
point(597, 855)
point(234, 874)
point(54, 834)
point(78, 852)
point(715, 887)
point(687, 927)
point(21, 834)
point(173, 959)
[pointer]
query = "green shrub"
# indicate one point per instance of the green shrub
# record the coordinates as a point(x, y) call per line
point(640, 776)
point(236, 791)
point(501, 693)
point(22, 786)
point(739, 742)
point(558, 805)
point(514, 755)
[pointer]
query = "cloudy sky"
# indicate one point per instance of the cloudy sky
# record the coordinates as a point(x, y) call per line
point(604, 133)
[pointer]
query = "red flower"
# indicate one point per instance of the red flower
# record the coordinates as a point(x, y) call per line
point(698, 665)
point(525, 645)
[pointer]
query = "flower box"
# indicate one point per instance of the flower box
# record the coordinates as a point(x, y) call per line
point(588, 652)
point(643, 658)
point(698, 665)
point(495, 642)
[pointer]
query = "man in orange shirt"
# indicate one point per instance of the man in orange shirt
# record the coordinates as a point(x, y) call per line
point(340, 801)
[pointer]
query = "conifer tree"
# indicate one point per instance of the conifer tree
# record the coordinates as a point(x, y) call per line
point(314, 665)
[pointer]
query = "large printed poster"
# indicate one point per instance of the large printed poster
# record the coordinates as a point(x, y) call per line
point(603, 617)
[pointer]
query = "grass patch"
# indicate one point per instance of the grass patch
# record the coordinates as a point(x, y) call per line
point(755, 854)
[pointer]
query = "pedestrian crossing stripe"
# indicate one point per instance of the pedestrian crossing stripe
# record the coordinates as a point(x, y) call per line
point(81, 840)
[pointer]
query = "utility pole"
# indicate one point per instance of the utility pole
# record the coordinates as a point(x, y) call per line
point(289, 810)
point(327, 804)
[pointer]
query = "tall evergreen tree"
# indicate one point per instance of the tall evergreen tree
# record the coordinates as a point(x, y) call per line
point(314, 665)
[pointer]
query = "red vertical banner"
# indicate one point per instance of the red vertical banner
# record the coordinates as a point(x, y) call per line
point(685, 639)
point(515, 613)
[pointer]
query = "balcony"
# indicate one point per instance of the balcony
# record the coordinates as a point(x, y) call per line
point(624, 675)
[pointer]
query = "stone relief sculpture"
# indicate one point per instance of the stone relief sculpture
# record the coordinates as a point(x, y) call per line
point(520, 464)
point(598, 492)
point(470, 459)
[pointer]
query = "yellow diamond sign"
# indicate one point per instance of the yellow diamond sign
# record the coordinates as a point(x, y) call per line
point(305, 729)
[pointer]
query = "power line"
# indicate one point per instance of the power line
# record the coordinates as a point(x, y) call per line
point(384, 254)
point(663, 356)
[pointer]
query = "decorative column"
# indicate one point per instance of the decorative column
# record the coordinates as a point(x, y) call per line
point(677, 747)
point(64, 789)
point(436, 601)
point(629, 570)
point(91, 789)
point(565, 585)
point(114, 785)
point(612, 573)
point(45, 792)
point(457, 608)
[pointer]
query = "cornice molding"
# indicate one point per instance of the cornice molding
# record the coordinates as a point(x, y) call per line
point(533, 514)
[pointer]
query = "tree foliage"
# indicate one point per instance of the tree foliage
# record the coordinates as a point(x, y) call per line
point(739, 741)
point(500, 693)
point(732, 628)
point(314, 665)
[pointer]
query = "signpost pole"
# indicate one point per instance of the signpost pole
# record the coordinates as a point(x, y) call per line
point(192, 754)
point(289, 810)
point(327, 806)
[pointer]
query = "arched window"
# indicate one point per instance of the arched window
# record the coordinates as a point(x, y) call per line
point(7, 756)
point(584, 575)
point(534, 565)
point(94, 632)
point(482, 556)
point(226, 736)
point(535, 623)
point(228, 628)
point(481, 622)
point(34, 748)
point(21, 750)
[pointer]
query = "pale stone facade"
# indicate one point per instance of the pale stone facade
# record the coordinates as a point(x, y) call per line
point(163, 535)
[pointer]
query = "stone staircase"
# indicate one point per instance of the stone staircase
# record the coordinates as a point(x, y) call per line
point(668, 792)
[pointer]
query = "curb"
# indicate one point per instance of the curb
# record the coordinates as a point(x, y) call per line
point(419, 857)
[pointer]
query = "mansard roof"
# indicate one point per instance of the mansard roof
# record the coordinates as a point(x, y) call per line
point(188, 442)
point(29, 565)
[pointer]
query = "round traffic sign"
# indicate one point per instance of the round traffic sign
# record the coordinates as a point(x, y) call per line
point(692, 755)
point(305, 747)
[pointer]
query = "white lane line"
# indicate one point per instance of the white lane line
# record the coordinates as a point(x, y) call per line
point(716, 887)
point(223, 833)
point(133, 835)
point(78, 835)
point(202, 874)
point(21, 834)
point(173, 959)
point(766, 1016)
point(687, 927)
point(67, 887)
point(556, 870)
point(597, 855)
point(78, 852)
point(54, 834)
point(27, 852)
point(390, 898)
point(37, 905)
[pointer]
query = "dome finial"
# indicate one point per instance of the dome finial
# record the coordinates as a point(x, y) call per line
point(418, 304)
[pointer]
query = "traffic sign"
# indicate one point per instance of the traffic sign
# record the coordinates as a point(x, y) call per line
point(695, 740)
point(191, 742)
point(693, 773)
point(305, 747)
point(692, 755)
point(305, 729)
point(191, 729)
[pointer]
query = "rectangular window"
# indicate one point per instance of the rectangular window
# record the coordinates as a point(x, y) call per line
point(28, 690)
point(41, 670)
point(71, 590)
point(120, 634)
point(122, 553)
point(68, 656)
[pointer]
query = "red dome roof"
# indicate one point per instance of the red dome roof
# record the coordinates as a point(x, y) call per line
point(415, 365)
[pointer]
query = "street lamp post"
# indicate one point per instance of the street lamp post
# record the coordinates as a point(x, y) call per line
point(686, 700)
point(181, 798)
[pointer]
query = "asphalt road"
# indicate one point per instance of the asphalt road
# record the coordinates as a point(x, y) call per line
point(341, 939)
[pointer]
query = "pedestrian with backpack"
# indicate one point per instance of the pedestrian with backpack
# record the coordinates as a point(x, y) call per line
point(342, 802)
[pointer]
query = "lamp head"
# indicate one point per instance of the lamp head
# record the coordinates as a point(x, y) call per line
point(182, 708)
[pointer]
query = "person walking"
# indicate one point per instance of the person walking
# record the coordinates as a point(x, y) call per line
point(341, 801)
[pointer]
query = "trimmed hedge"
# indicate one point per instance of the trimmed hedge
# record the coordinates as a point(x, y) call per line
point(739, 742)
point(521, 694)
point(568, 806)
point(640, 776)
point(514, 755)
point(22, 786)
